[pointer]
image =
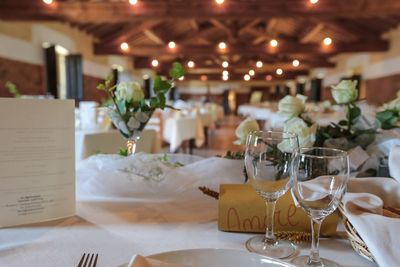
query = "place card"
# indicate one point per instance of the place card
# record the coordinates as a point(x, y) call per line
point(242, 210)
point(37, 177)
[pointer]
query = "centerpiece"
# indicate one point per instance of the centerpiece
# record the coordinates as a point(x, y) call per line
point(130, 111)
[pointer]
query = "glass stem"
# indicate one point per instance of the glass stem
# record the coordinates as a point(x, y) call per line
point(314, 259)
point(270, 238)
point(131, 146)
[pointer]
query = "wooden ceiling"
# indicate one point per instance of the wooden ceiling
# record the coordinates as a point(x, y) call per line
point(246, 26)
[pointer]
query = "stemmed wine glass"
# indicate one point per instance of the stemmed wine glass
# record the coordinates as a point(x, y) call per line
point(267, 160)
point(320, 177)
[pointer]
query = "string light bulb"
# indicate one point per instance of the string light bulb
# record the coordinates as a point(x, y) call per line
point(252, 72)
point(225, 73)
point(279, 71)
point(181, 78)
point(222, 45)
point(203, 77)
point(154, 63)
point(246, 77)
point(225, 64)
point(225, 77)
point(296, 63)
point(219, 2)
point(268, 77)
point(124, 46)
point(190, 64)
point(273, 43)
point(48, 2)
point(314, 1)
point(327, 41)
point(172, 45)
point(133, 2)
point(259, 64)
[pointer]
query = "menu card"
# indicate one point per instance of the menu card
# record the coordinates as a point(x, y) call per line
point(37, 166)
point(242, 210)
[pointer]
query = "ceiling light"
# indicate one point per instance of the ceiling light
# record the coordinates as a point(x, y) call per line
point(190, 64)
point(279, 71)
point(219, 2)
point(133, 2)
point(48, 2)
point(295, 63)
point(225, 64)
point(171, 45)
point(124, 46)
point(268, 77)
point(327, 41)
point(259, 64)
point(181, 78)
point(225, 77)
point(273, 43)
point(154, 63)
point(246, 77)
point(222, 46)
point(225, 73)
point(203, 77)
point(252, 72)
point(314, 1)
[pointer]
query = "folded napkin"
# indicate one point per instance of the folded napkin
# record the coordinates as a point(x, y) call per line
point(368, 205)
point(141, 261)
point(394, 162)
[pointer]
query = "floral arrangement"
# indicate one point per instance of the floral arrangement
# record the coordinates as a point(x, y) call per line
point(389, 114)
point(130, 111)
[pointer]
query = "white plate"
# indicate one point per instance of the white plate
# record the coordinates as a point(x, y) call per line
point(217, 258)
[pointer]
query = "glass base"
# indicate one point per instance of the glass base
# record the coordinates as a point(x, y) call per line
point(282, 249)
point(303, 261)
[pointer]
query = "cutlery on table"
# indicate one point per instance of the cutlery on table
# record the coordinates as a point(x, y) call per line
point(88, 260)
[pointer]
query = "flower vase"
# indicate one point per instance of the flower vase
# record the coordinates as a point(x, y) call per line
point(130, 125)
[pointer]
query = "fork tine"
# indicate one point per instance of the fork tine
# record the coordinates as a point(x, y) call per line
point(90, 261)
point(95, 260)
point(86, 261)
point(81, 261)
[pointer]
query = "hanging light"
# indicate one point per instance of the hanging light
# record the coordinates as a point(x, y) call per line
point(225, 73)
point(246, 77)
point(314, 1)
point(133, 2)
point(181, 78)
point(296, 63)
point(171, 45)
point(259, 64)
point(222, 45)
point(268, 77)
point(225, 77)
point(48, 2)
point(327, 41)
point(279, 71)
point(225, 64)
point(219, 2)
point(190, 64)
point(124, 46)
point(154, 63)
point(273, 43)
point(252, 72)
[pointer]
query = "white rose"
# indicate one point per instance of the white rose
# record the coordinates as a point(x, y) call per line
point(243, 130)
point(345, 92)
point(305, 134)
point(291, 106)
point(129, 91)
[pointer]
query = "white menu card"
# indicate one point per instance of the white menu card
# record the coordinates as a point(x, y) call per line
point(37, 166)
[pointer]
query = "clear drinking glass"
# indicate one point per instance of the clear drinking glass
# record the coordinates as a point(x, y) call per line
point(268, 159)
point(320, 177)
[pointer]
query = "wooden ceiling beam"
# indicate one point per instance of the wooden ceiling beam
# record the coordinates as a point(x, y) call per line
point(310, 33)
point(257, 77)
point(283, 48)
point(121, 11)
point(154, 37)
point(226, 29)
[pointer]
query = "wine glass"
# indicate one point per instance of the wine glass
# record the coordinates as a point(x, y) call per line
point(267, 160)
point(320, 177)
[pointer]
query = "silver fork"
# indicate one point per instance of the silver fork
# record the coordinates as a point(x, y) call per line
point(88, 261)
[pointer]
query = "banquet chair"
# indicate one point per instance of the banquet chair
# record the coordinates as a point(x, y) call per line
point(111, 141)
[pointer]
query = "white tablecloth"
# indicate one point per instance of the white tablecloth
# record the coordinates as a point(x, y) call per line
point(180, 129)
point(117, 228)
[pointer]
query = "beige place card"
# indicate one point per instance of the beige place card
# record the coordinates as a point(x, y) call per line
point(242, 210)
point(37, 177)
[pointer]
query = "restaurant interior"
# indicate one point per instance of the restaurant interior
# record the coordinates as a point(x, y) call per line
point(146, 133)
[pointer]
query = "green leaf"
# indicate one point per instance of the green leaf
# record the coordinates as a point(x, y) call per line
point(123, 152)
point(161, 86)
point(154, 102)
point(161, 100)
point(121, 106)
point(354, 112)
point(176, 71)
point(384, 115)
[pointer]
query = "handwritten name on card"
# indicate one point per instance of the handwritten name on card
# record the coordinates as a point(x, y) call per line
point(242, 210)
